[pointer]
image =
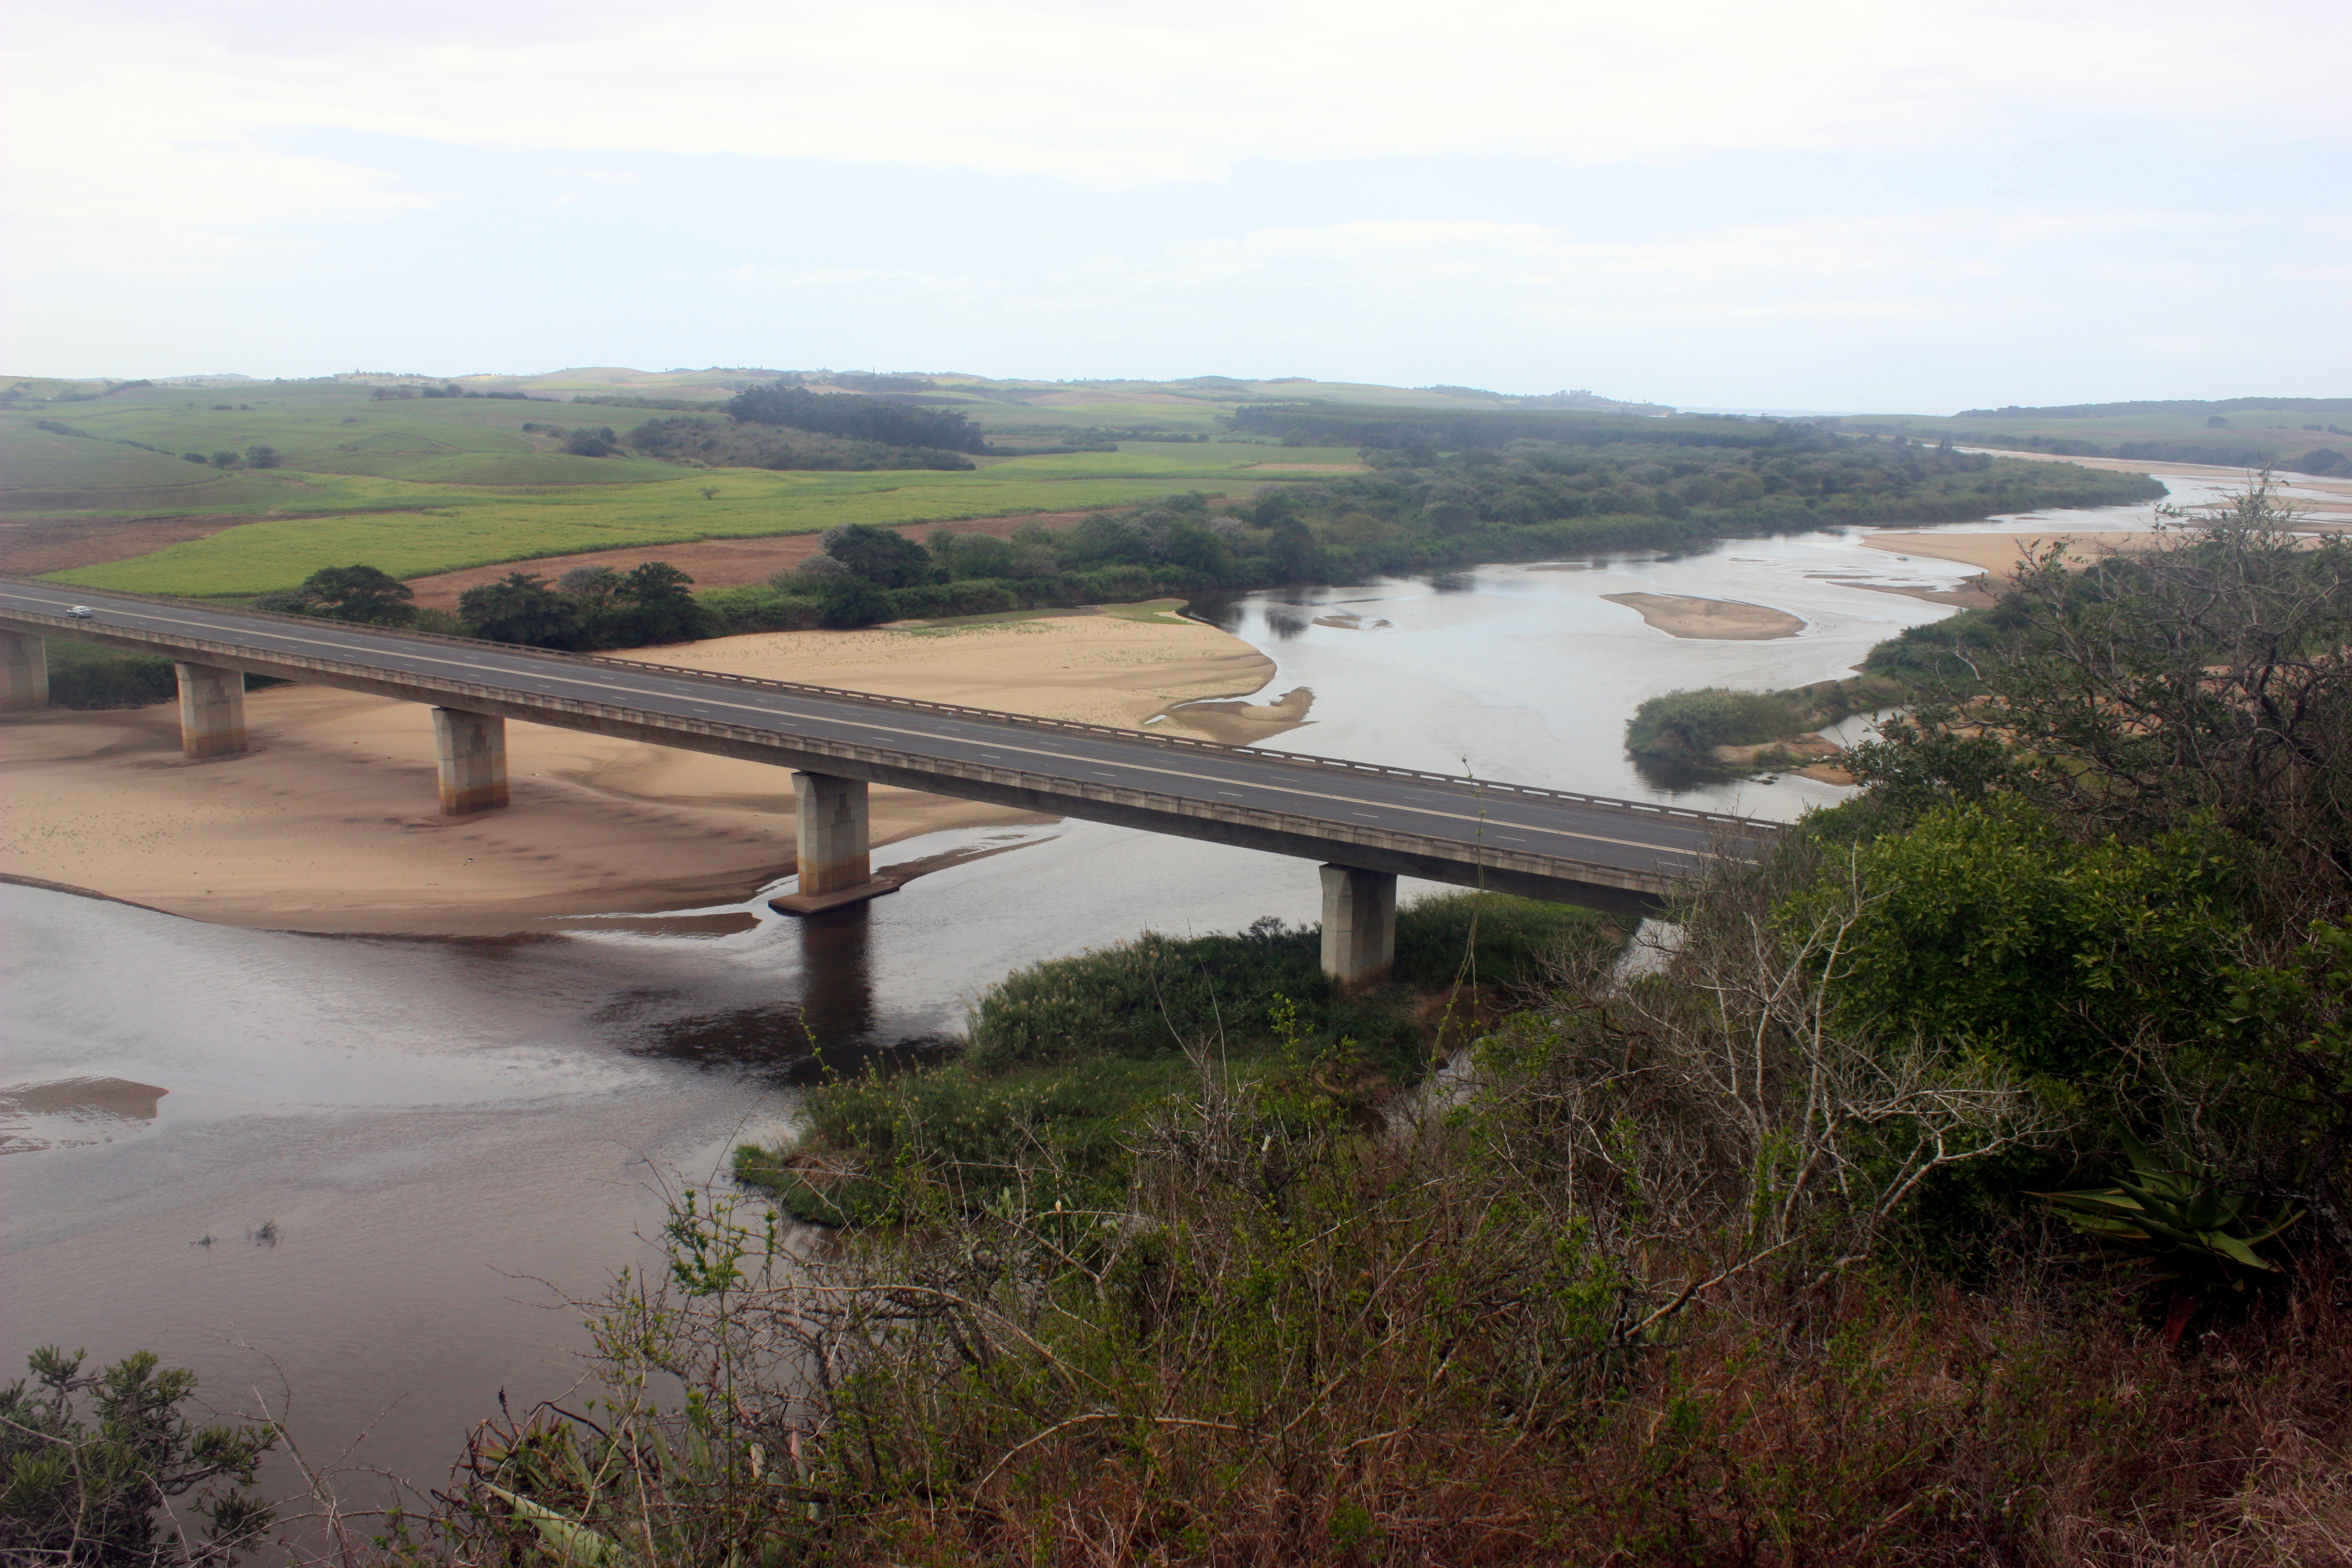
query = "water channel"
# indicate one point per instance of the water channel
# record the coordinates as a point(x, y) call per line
point(381, 1164)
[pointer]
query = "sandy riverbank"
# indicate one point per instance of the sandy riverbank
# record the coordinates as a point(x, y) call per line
point(328, 823)
point(1719, 620)
point(1998, 554)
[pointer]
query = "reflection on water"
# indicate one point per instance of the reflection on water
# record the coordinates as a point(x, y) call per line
point(1281, 622)
point(833, 1029)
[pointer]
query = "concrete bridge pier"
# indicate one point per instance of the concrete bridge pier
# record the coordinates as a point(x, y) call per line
point(24, 671)
point(836, 862)
point(212, 710)
point(473, 752)
point(1359, 925)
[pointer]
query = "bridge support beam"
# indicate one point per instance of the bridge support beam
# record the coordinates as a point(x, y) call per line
point(1359, 925)
point(212, 710)
point(473, 749)
point(836, 861)
point(24, 671)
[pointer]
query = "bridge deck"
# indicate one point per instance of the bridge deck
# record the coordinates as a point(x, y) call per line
point(1545, 843)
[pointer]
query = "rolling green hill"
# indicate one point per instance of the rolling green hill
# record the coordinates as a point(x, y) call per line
point(417, 485)
point(2309, 435)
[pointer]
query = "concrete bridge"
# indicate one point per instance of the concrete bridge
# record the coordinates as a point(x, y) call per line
point(1364, 824)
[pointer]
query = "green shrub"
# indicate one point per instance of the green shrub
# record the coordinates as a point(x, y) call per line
point(1062, 1057)
point(1504, 940)
point(1989, 928)
point(1693, 723)
point(86, 675)
point(79, 1491)
point(758, 608)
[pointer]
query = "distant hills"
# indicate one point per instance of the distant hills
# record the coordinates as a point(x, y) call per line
point(2206, 408)
point(945, 388)
point(2311, 434)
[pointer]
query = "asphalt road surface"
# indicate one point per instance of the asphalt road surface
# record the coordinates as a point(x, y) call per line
point(1625, 835)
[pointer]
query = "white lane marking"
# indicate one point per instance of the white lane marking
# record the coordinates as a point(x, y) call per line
point(617, 683)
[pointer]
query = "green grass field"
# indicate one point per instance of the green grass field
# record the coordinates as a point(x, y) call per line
point(416, 485)
point(2286, 433)
point(433, 485)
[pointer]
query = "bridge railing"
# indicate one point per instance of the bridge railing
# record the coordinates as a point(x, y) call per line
point(746, 740)
point(1306, 760)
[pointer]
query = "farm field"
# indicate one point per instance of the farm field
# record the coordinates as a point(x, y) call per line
point(466, 487)
point(2234, 438)
point(116, 485)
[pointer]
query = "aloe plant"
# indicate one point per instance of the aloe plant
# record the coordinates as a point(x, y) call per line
point(2183, 1219)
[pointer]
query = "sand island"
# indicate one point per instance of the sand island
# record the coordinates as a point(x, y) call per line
point(1720, 620)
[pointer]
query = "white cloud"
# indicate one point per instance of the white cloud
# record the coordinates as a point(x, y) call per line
point(172, 142)
point(1115, 95)
point(1932, 263)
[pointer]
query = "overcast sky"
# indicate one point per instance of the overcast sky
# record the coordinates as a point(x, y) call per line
point(1811, 203)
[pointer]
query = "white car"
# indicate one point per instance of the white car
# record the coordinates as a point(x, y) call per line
point(82, 613)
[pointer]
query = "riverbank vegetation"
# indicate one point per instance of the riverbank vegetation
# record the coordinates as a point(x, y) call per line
point(1422, 510)
point(1963, 1183)
point(1692, 729)
point(1063, 1061)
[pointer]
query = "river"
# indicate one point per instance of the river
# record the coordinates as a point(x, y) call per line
point(380, 1164)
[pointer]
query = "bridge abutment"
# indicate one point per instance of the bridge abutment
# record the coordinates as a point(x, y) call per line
point(836, 860)
point(1358, 926)
point(24, 672)
point(473, 754)
point(212, 710)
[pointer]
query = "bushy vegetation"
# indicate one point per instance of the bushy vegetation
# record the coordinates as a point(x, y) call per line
point(1062, 1058)
point(588, 608)
point(127, 1480)
point(1686, 727)
point(1962, 1182)
point(357, 593)
point(1427, 511)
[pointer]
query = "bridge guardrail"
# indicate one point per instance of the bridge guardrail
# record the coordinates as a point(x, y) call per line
point(789, 687)
point(1478, 854)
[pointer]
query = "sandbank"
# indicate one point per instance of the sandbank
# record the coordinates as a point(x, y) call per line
point(1719, 620)
point(330, 823)
point(1998, 554)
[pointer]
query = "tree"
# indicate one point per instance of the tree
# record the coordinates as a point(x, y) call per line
point(886, 559)
point(853, 602)
point(358, 594)
point(73, 1493)
point(260, 457)
point(224, 459)
point(866, 418)
point(521, 608)
point(658, 608)
point(2211, 675)
point(593, 586)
